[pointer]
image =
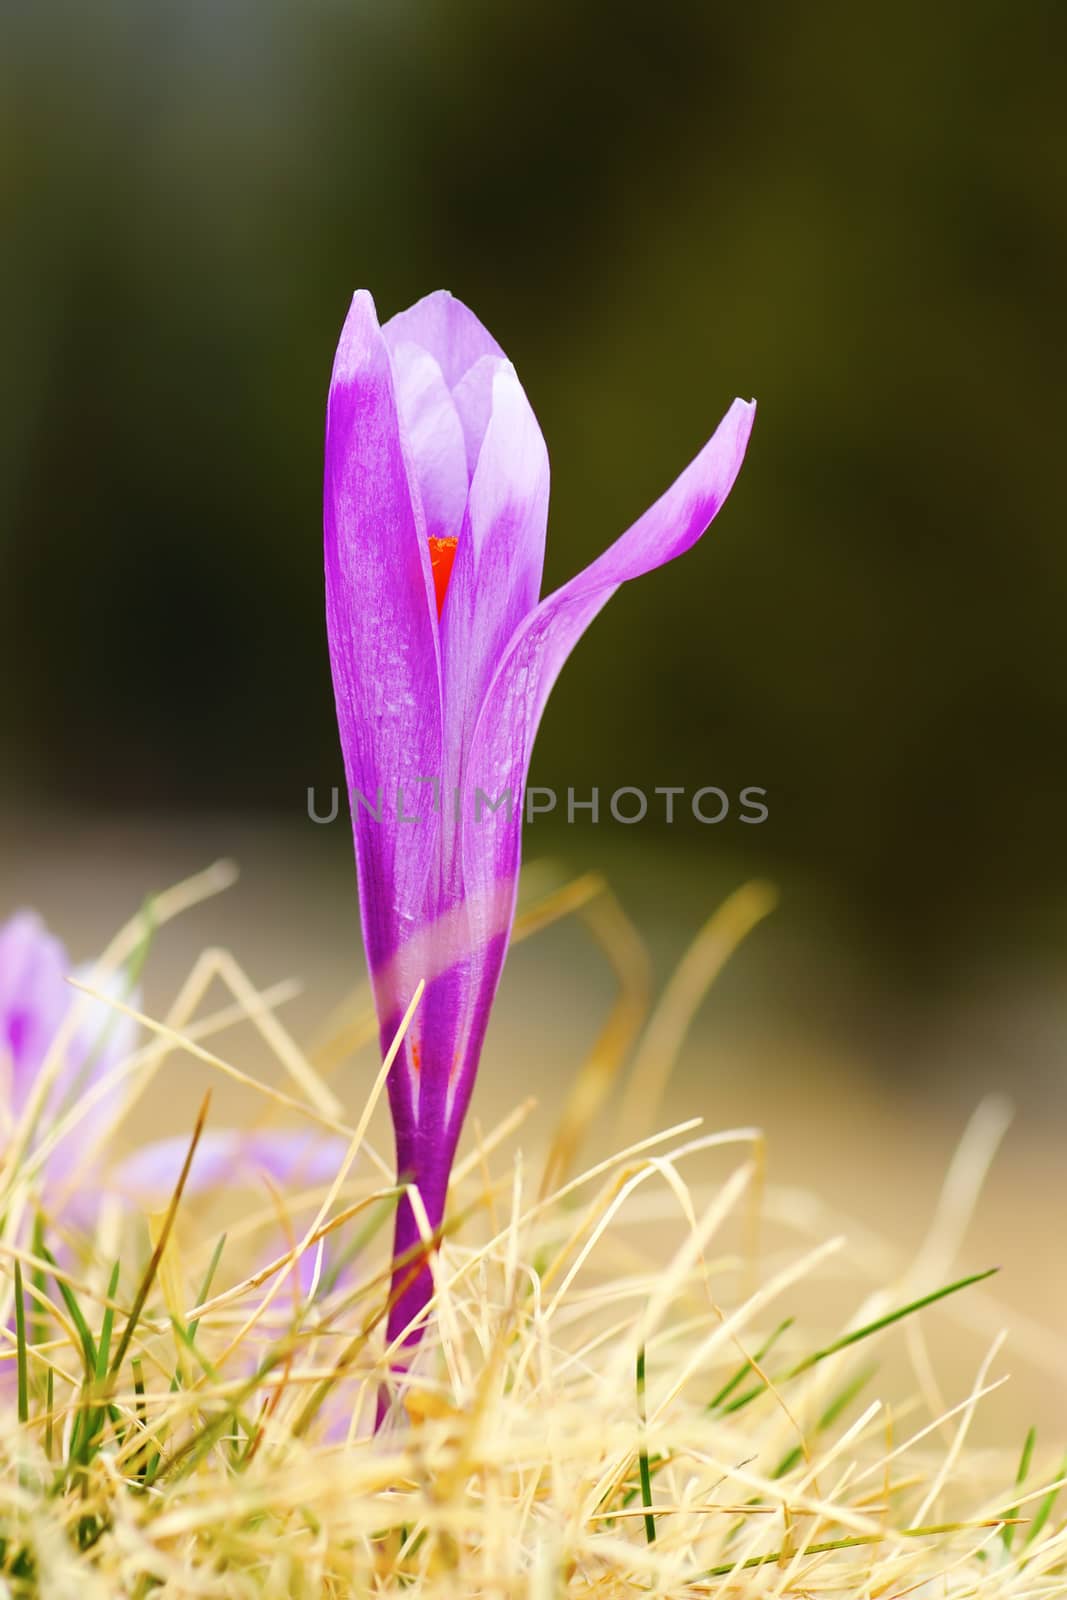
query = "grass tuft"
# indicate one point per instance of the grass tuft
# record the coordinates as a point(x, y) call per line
point(209, 1429)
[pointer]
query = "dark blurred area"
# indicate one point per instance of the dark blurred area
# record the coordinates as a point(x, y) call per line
point(856, 215)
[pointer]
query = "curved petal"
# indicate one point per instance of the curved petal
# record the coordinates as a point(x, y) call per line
point(445, 327)
point(434, 434)
point(34, 998)
point(499, 759)
point(382, 634)
point(107, 1036)
point(497, 574)
point(473, 400)
point(509, 717)
point(103, 1039)
point(225, 1155)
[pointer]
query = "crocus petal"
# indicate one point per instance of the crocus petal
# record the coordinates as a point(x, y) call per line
point(34, 998)
point(37, 1005)
point(435, 436)
point(453, 1018)
point(447, 329)
point(380, 623)
point(497, 574)
point(456, 1006)
point(225, 1156)
point(473, 400)
point(507, 725)
point(102, 1040)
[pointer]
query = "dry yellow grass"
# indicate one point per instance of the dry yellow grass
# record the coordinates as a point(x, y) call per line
point(611, 1398)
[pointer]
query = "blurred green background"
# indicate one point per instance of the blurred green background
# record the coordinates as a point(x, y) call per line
point(855, 214)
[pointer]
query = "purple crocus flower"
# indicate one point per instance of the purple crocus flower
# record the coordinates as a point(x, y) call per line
point(35, 998)
point(443, 656)
point(227, 1157)
point(232, 1158)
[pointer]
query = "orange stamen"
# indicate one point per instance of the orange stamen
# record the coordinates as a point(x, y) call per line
point(442, 555)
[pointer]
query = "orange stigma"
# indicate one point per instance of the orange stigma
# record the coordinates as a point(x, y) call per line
point(442, 555)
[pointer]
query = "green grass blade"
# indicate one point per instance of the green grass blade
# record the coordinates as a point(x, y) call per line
point(723, 1395)
point(107, 1325)
point(90, 1432)
point(840, 1403)
point(890, 1318)
point(20, 1341)
point(138, 1461)
point(149, 1467)
point(39, 1280)
point(1008, 1531)
point(209, 1278)
point(850, 1542)
point(642, 1455)
point(746, 1366)
point(50, 1420)
point(866, 1332)
point(88, 1343)
point(363, 1237)
point(1044, 1510)
point(147, 1281)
